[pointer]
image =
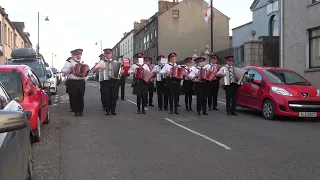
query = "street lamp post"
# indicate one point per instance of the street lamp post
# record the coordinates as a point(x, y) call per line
point(46, 19)
point(53, 55)
point(100, 45)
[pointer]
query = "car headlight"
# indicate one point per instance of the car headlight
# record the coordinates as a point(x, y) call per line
point(280, 91)
point(318, 92)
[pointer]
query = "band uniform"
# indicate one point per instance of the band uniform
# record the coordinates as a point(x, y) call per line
point(188, 85)
point(122, 83)
point(231, 88)
point(102, 97)
point(172, 83)
point(140, 87)
point(200, 86)
point(67, 84)
point(109, 82)
point(214, 85)
point(161, 85)
point(149, 101)
point(76, 85)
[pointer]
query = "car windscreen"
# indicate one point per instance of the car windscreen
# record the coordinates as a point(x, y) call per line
point(285, 77)
point(12, 83)
point(49, 72)
point(36, 67)
point(54, 70)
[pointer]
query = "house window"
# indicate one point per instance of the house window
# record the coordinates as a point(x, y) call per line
point(314, 47)
point(5, 34)
point(155, 33)
point(145, 43)
point(151, 36)
point(273, 26)
point(175, 13)
point(0, 33)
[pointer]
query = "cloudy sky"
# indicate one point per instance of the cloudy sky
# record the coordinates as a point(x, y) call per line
point(80, 24)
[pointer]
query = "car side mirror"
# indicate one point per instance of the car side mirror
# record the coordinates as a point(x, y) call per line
point(46, 84)
point(12, 120)
point(49, 75)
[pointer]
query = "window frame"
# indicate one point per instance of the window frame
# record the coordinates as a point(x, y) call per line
point(310, 45)
point(32, 74)
point(256, 71)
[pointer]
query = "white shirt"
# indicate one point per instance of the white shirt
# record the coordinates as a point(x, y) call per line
point(224, 69)
point(210, 66)
point(194, 72)
point(167, 67)
point(67, 70)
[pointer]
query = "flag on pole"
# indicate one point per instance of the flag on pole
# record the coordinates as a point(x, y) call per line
point(207, 16)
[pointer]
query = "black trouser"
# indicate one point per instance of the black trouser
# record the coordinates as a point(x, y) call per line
point(162, 96)
point(150, 93)
point(76, 93)
point(174, 92)
point(231, 97)
point(213, 94)
point(68, 91)
point(110, 94)
point(141, 90)
point(188, 92)
point(202, 94)
point(122, 83)
point(103, 98)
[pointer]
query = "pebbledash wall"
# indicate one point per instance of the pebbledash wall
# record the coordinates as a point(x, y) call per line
point(302, 38)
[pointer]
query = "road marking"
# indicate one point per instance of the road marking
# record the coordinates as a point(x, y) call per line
point(56, 100)
point(136, 104)
point(53, 104)
point(57, 95)
point(201, 135)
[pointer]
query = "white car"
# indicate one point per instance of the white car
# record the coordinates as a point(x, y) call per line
point(53, 81)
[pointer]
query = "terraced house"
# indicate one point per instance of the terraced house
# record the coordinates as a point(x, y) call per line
point(12, 36)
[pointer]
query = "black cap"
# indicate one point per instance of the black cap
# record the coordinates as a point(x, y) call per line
point(214, 56)
point(188, 59)
point(76, 52)
point(200, 59)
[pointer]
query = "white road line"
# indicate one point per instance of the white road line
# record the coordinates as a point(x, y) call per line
point(53, 104)
point(56, 100)
point(56, 95)
point(136, 104)
point(201, 135)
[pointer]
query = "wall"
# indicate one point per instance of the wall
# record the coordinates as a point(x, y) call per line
point(241, 34)
point(126, 46)
point(2, 55)
point(270, 50)
point(298, 18)
point(8, 39)
point(190, 31)
point(19, 42)
point(150, 48)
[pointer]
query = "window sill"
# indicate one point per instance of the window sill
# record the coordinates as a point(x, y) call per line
point(315, 3)
point(312, 70)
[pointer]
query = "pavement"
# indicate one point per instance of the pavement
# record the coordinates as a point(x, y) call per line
point(160, 146)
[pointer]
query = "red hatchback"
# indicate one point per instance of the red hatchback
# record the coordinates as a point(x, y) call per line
point(279, 91)
point(24, 86)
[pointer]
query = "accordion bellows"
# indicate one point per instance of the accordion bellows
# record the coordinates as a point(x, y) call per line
point(81, 70)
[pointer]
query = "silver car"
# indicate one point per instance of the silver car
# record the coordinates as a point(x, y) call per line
point(15, 144)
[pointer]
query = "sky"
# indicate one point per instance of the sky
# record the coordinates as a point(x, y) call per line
point(80, 24)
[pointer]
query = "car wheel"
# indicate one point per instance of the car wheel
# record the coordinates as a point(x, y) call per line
point(37, 135)
point(268, 109)
point(30, 165)
point(47, 120)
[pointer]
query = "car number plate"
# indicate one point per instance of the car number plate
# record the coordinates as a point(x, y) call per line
point(307, 114)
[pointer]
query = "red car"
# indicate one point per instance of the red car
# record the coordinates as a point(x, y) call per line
point(24, 86)
point(279, 92)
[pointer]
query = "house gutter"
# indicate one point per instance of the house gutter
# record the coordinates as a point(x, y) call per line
point(281, 35)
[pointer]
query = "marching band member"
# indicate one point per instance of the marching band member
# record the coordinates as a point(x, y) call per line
point(160, 84)
point(109, 84)
point(213, 85)
point(122, 83)
point(188, 85)
point(67, 84)
point(76, 85)
point(200, 86)
point(140, 87)
point(173, 83)
point(231, 89)
point(102, 97)
point(149, 101)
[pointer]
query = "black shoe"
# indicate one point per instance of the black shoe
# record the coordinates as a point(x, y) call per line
point(171, 112)
point(151, 105)
point(166, 109)
point(216, 109)
point(76, 114)
point(204, 113)
point(210, 109)
point(190, 109)
point(160, 109)
point(176, 112)
point(187, 109)
point(81, 114)
point(178, 105)
point(198, 113)
point(144, 112)
point(71, 111)
point(107, 113)
point(123, 99)
point(229, 114)
point(234, 114)
point(113, 113)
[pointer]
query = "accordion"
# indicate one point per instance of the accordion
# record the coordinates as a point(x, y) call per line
point(81, 70)
point(126, 66)
point(144, 74)
point(206, 75)
point(177, 72)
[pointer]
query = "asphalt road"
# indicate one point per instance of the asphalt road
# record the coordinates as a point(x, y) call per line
point(160, 146)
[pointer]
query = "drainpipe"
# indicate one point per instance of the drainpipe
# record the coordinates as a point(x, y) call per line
point(281, 35)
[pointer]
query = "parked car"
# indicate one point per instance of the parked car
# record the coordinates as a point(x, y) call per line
point(28, 56)
point(56, 74)
point(15, 144)
point(279, 92)
point(52, 80)
point(23, 85)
